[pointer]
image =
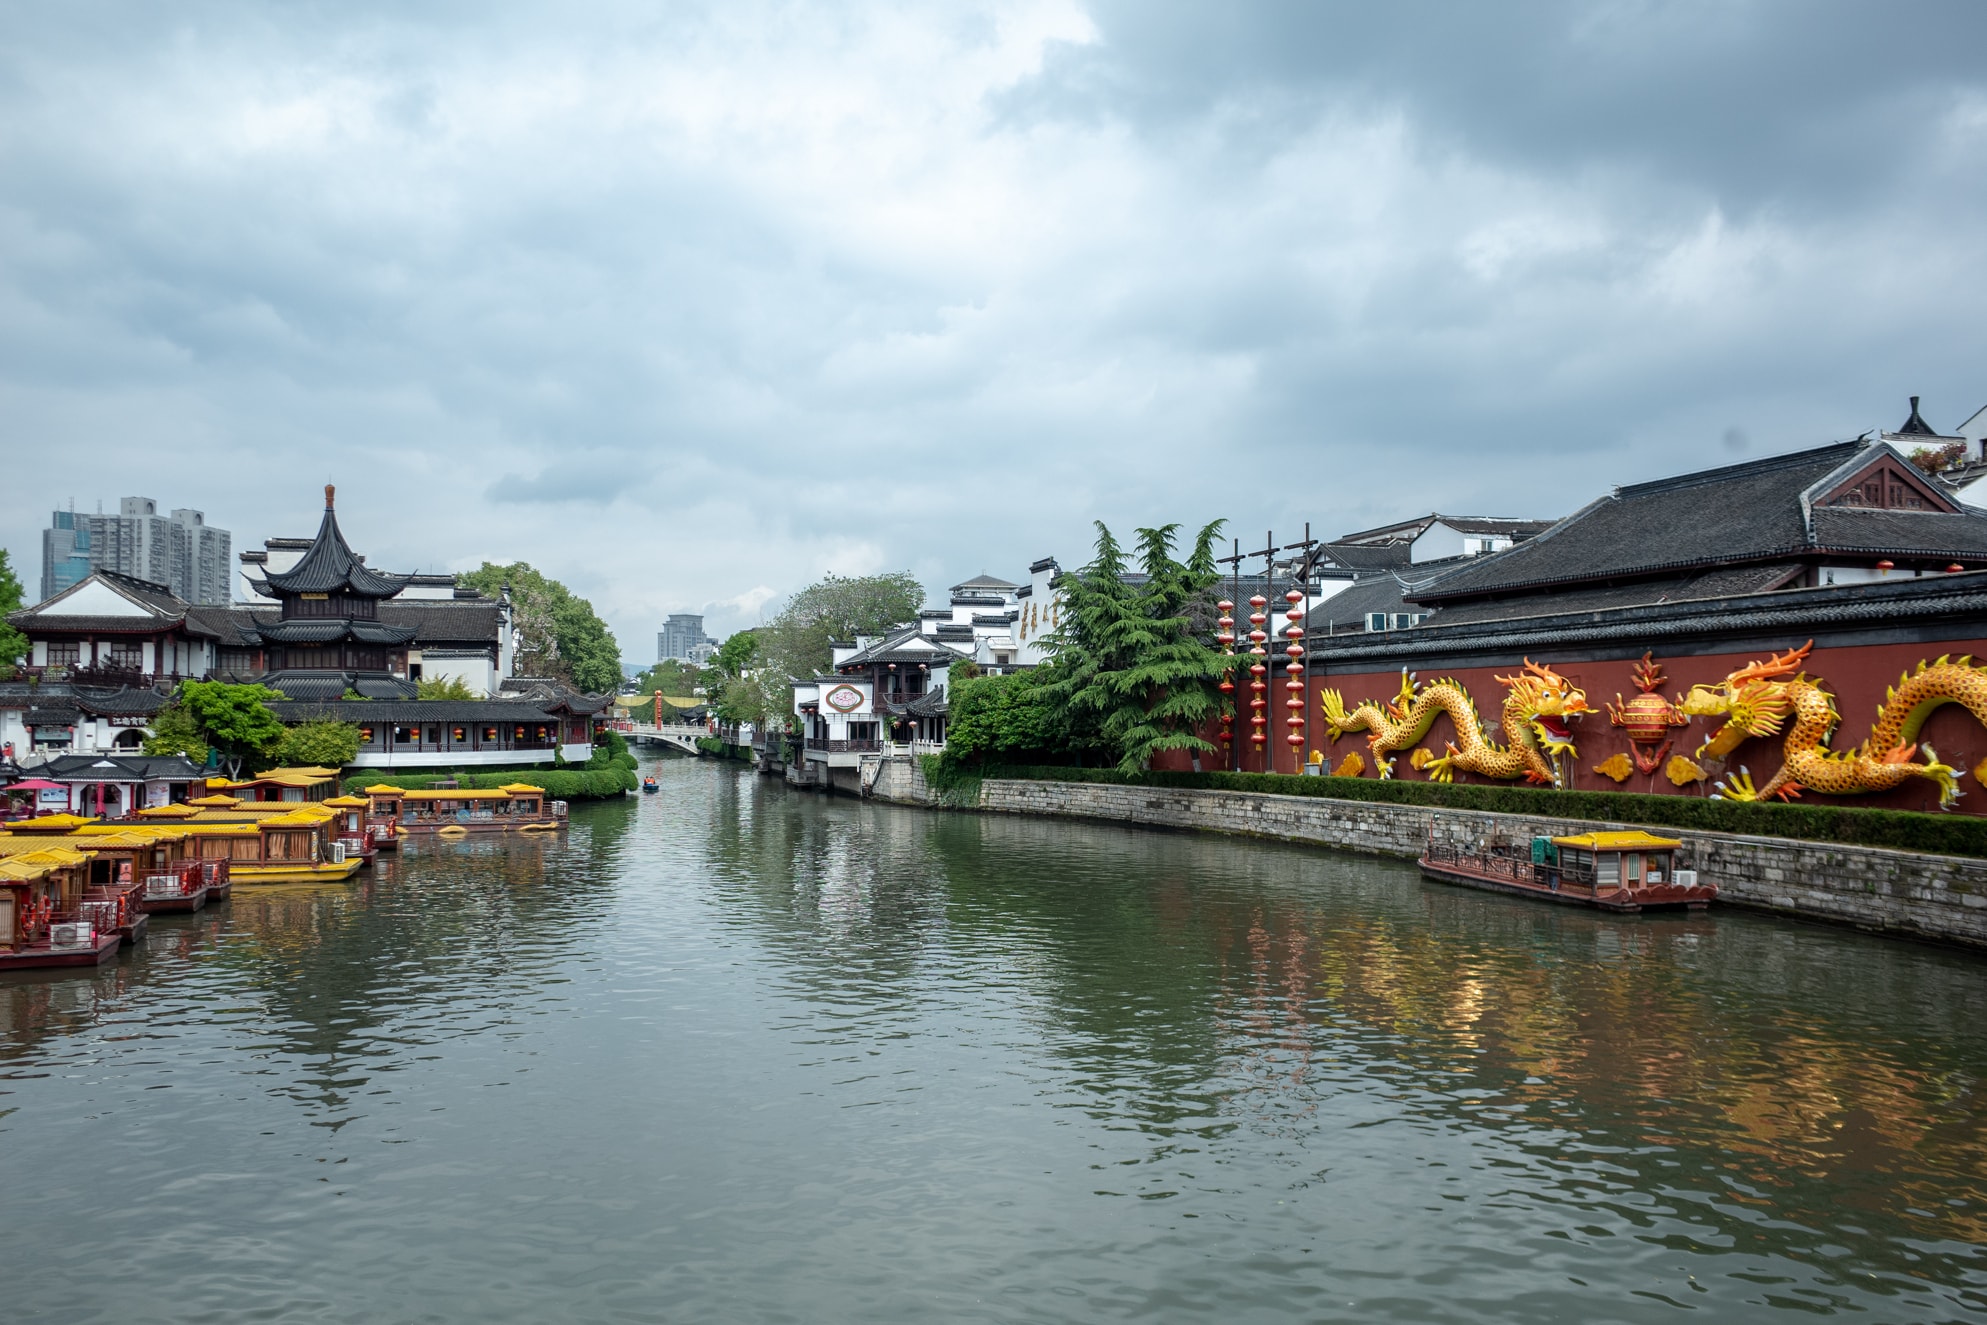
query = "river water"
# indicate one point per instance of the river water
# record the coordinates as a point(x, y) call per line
point(734, 1053)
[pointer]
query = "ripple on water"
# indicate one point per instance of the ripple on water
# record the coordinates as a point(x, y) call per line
point(735, 1053)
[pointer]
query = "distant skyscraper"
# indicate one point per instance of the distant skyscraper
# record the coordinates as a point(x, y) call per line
point(680, 634)
point(181, 550)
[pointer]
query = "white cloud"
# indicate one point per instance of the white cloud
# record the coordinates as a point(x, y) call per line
point(671, 302)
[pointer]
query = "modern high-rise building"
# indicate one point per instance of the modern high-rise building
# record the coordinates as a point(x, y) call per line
point(682, 633)
point(179, 550)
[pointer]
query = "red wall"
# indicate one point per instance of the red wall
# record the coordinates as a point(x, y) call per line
point(1858, 676)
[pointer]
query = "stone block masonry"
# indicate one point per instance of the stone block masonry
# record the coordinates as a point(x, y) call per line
point(1936, 897)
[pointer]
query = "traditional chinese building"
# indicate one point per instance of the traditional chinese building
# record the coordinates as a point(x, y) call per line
point(1724, 578)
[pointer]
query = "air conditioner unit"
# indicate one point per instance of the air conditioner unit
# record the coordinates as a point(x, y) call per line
point(1685, 878)
point(72, 934)
point(337, 853)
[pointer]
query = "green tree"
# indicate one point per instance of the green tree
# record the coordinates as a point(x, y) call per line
point(559, 634)
point(1008, 718)
point(323, 742)
point(442, 687)
point(796, 642)
point(1131, 671)
point(175, 731)
point(673, 676)
point(235, 720)
point(13, 644)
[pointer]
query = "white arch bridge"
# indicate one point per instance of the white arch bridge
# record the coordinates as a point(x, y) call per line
point(682, 735)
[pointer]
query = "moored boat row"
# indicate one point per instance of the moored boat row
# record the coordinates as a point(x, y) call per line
point(73, 889)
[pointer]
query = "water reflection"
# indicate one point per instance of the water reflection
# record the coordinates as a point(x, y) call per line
point(752, 1054)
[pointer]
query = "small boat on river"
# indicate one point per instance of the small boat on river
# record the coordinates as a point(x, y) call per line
point(1612, 871)
point(516, 806)
point(650, 786)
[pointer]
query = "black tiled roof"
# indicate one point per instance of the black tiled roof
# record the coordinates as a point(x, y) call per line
point(119, 702)
point(1719, 582)
point(414, 711)
point(983, 581)
point(1902, 533)
point(1749, 512)
point(121, 768)
point(234, 627)
point(440, 621)
point(1789, 613)
point(297, 631)
point(330, 564)
point(1347, 609)
point(906, 646)
point(321, 685)
point(1915, 426)
point(1367, 556)
point(550, 695)
point(51, 716)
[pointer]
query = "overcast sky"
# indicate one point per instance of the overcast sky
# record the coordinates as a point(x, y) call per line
point(691, 305)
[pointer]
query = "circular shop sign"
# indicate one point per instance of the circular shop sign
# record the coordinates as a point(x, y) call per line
point(843, 699)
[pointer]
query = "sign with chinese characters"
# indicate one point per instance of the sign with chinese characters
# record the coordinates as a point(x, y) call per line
point(843, 698)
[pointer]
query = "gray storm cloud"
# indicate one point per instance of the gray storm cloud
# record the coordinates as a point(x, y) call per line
point(689, 307)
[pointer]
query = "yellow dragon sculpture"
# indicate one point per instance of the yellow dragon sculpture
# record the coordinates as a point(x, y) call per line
point(1759, 698)
point(1536, 709)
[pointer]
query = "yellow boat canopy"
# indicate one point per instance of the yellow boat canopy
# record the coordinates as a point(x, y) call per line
point(382, 789)
point(169, 812)
point(215, 801)
point(347, 802)
point(501, 794)
point(1635, 840)
point(50, 823)
point(303, 776)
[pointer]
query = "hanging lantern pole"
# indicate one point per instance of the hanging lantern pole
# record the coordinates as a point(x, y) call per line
point(1231, 757)
point(1293, 686)
point(1259, 667)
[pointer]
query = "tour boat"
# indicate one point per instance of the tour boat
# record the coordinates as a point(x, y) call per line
point(1614, 871)
point(45, 916)
point(516, 806)
point(383, 816)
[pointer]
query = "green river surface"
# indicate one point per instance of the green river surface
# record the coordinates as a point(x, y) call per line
point(738, 1053)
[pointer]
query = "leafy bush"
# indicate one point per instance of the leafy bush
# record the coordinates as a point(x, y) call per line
point(1906, 830)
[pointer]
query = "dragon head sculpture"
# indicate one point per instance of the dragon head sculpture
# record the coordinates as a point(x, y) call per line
point(1754, 701)
point(1548, 701)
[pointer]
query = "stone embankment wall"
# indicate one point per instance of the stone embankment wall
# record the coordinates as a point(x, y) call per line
point(1940, 897)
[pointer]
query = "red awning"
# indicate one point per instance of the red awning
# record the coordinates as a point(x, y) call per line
point(38, 784)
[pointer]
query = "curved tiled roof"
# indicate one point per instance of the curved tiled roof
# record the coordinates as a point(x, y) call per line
point(330, 564)
point(310, 631)
point(1759, 511)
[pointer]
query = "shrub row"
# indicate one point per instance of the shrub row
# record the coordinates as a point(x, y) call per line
point(559, 784)
point(711, 745)
point(1945, 834)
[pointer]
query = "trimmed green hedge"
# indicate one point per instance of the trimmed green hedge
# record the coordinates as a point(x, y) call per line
point(712, 746)
point(559, 784)
point(1945, 834)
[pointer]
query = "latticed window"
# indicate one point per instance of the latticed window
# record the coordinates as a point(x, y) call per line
point(64, 655)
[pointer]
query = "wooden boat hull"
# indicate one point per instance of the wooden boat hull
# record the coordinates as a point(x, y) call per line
point(239, 872)
point(451, 826)
point(180, 905)
point(43, 957)
point(1620, 901)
